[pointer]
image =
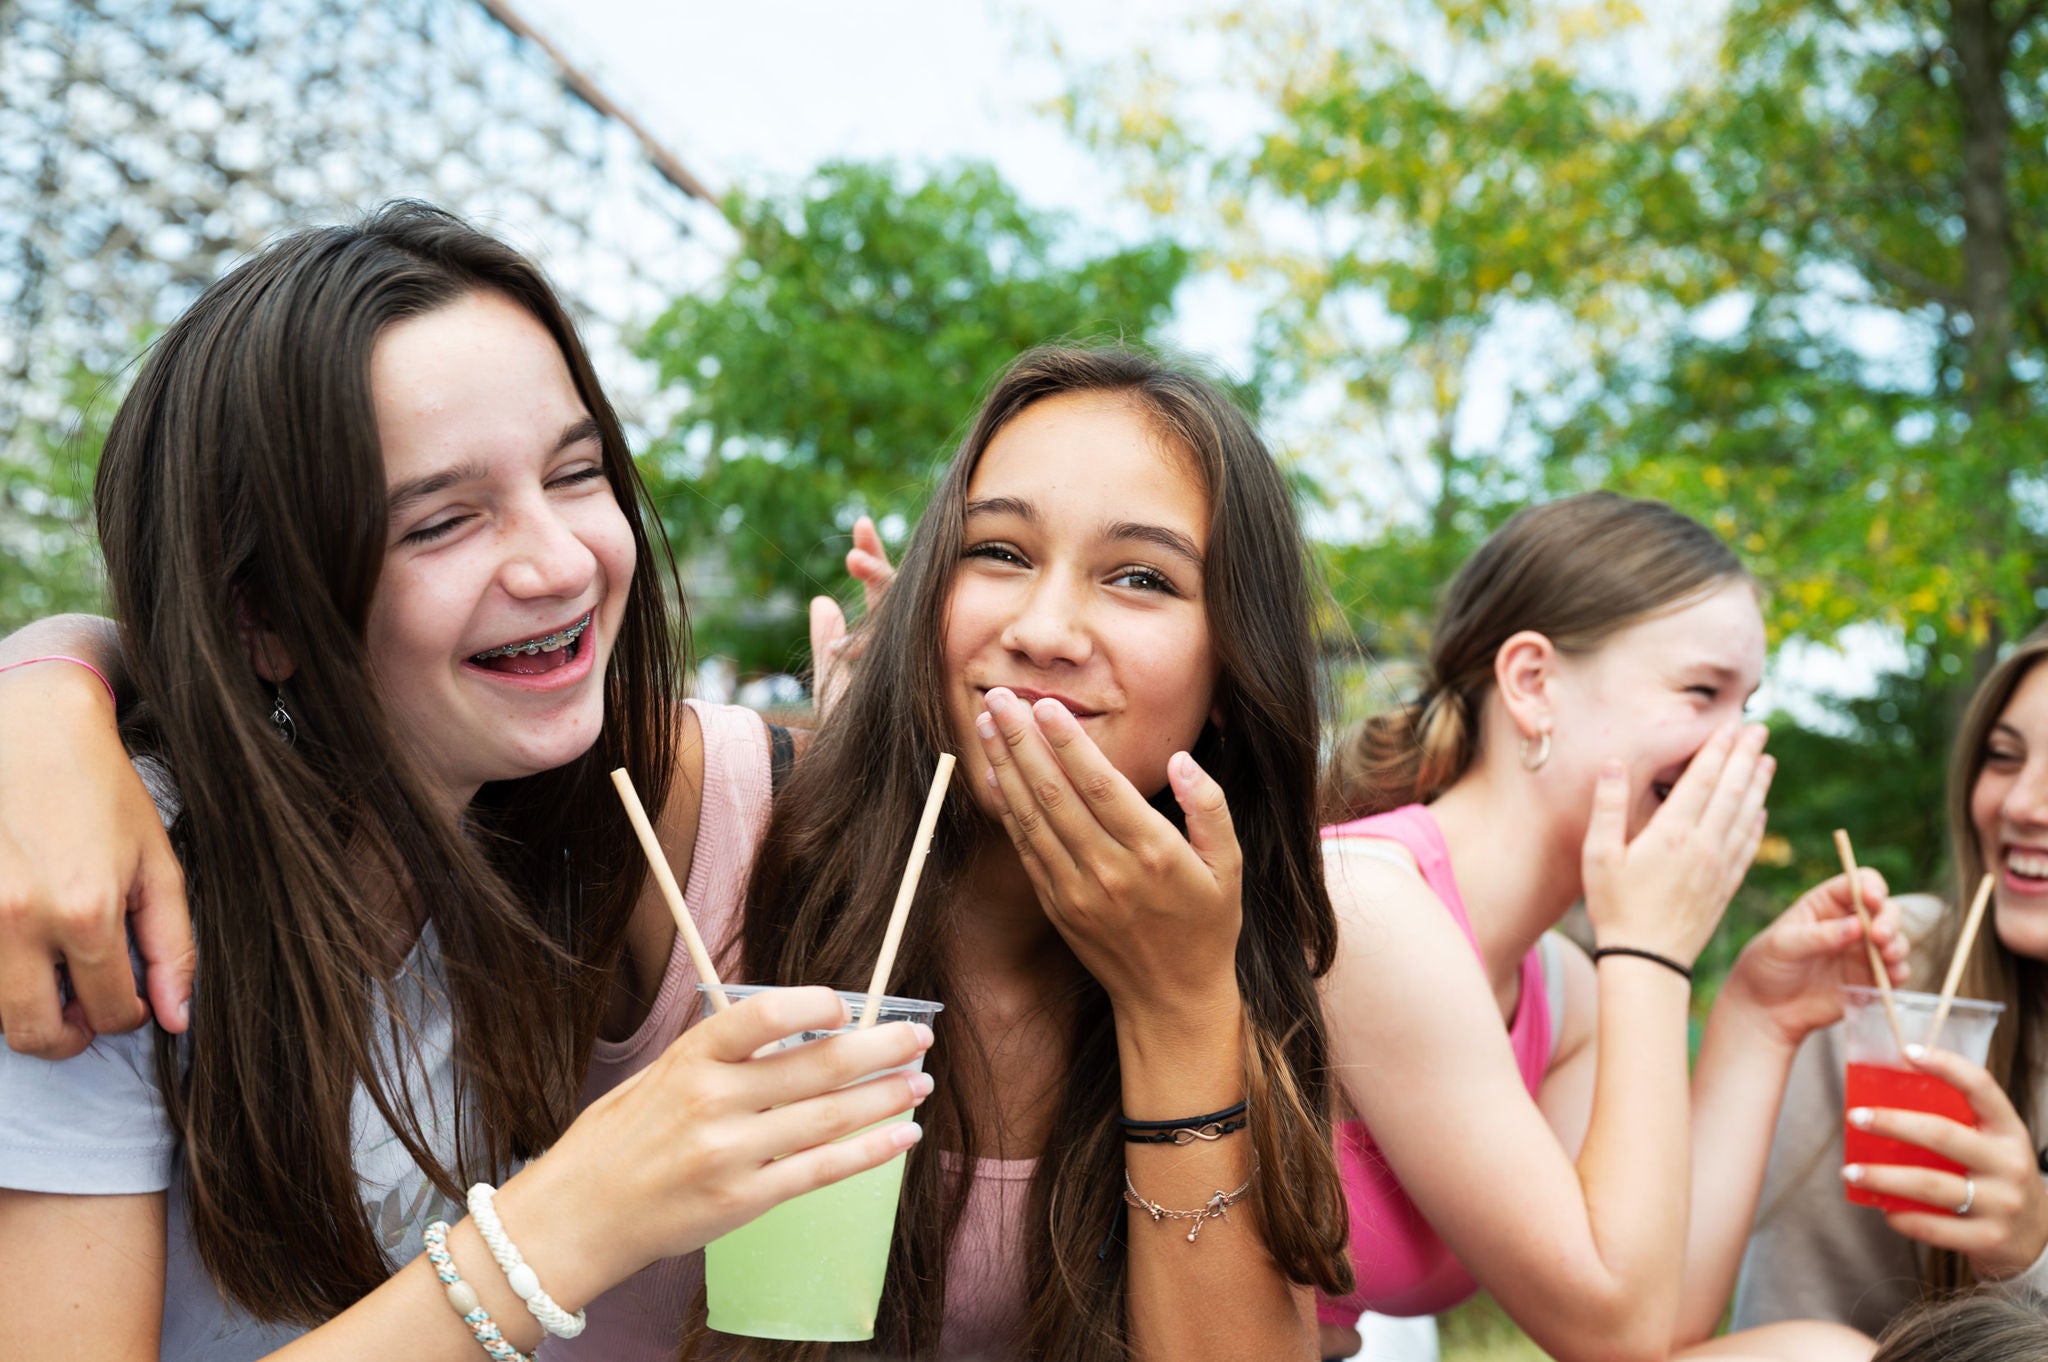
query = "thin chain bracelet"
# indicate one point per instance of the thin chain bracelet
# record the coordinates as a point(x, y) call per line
point(1215, 1208)
point(462, 1296)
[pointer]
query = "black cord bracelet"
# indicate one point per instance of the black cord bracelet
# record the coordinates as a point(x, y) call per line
point(1685, 972)
point(1167, 1132)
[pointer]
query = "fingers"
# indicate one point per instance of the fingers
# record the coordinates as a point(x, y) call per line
point(32, 1013)
point(1210, 830)
point(1935, 1188)
point(1607, 831)
point(813, 1120)
point(162, 926)
point(1952, 1140)
point(1114, 802)
point(804, 1071)
point(736, 1033)
point(829, 1163)
point(1722, 816)
point(1042, 809)
point(868, 562)
point(1993, 1109)
point(1702, 776)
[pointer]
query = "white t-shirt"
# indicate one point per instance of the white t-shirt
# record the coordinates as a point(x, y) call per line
point(95, 1126)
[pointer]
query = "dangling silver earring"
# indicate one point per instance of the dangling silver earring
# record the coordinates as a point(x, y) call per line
point(1534, 756)
point(281, 720)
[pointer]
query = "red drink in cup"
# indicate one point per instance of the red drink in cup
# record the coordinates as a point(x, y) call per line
point(1879, 1076)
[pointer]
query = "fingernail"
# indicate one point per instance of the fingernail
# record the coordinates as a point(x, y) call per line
point(1048, 709)
point(920, 1086)
point(997, 701)
point(1916, 1052)
point(1860, 1118)
point(923, 1033)
point(1852, 1172)
point(906, 1134)
point(988, 778)
point(984, 726)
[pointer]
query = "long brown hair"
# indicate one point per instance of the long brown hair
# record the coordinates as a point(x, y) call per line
point(243, 482)
point(824, 880)
point(1993, 972)
point(1576, 570)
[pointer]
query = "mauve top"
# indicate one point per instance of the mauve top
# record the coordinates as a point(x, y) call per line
point(1403, 1268)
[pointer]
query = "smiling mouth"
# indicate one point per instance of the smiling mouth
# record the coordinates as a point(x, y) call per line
point(559, 648)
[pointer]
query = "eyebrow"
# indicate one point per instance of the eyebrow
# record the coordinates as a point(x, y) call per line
point(417, 489)
point(1160, 537)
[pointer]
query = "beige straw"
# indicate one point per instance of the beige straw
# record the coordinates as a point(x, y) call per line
point(1877, 965)
point(905, 892)
point(670, 890)
point(1971, 922)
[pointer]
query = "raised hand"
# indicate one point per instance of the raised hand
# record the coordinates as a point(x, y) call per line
point(1153, 915)
point(2005, 1228)
point(1666, 889)
point(1793, 970)
point(833, 648)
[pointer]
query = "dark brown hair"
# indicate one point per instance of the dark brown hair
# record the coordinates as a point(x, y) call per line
point(243, 481)
point(1576, 570)
point(1973, 1328)
point(825, 878)
point(1993, 972)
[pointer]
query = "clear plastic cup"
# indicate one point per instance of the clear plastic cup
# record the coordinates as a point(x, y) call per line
point(812, 1267)
point(1880, 1077)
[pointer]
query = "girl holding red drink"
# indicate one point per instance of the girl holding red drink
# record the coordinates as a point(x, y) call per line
point(1813, 1254)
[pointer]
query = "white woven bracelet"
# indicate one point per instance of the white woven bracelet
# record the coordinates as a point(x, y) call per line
point(523, 1280)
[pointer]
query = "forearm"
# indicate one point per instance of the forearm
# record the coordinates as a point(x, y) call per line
point(1635, 1163)
point(1736, 1091)
point(1219, 1295)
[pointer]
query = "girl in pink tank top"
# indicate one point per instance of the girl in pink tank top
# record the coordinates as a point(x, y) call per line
point(1577, 736)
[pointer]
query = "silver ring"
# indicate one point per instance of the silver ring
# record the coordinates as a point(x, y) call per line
point(1969, 1196)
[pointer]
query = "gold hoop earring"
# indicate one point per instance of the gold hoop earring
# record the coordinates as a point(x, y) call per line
point(1532, 760)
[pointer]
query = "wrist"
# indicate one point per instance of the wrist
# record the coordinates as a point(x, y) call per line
point(1181, 1060)
point(576, 1259)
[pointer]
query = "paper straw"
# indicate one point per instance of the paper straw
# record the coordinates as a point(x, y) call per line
point(670, 890)
point(1971, 922)
point(905, 892)
point(1877, 965)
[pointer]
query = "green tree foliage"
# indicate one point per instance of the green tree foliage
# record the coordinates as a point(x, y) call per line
point(837, 358)
point(1859, 183)
point(49, 559)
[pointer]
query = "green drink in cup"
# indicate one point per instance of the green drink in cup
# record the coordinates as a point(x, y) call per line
point(812, 1267)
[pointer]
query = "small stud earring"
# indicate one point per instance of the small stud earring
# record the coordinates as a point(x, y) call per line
point(1536, 751)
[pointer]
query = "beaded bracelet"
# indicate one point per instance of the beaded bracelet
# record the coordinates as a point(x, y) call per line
point(524, 1281)
point(462, 1296)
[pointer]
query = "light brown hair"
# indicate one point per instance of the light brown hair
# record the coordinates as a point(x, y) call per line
point(1993, 973)
point(825, 879)
point(1576, 570)
point(243, 481)
point(1973, 1328)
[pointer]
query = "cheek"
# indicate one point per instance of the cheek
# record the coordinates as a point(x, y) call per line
point(1987, 800)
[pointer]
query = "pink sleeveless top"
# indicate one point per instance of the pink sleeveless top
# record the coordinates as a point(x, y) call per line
point(641, 1319)
point(1402, 1267)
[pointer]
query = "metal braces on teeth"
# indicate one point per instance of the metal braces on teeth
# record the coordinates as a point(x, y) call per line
point(561, 639)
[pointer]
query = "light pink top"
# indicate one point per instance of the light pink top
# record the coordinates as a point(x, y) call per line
point(1403, 1267)
point(641, 1319)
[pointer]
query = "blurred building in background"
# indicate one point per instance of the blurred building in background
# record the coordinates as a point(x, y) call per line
point(146, 144)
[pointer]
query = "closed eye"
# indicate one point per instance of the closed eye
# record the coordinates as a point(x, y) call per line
point(581, 475)
point(1994, 756)
point(427, 534)
point(1706, 692)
